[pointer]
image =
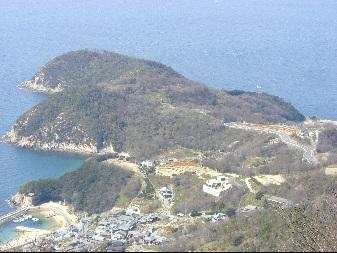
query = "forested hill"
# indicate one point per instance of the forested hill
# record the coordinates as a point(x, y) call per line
point(90, 67)
point(104, 101)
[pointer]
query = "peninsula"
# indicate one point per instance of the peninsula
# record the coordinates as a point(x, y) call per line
point(171, 161)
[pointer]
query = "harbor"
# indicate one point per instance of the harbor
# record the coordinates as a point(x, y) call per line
point(12, 215)
point(30, 223)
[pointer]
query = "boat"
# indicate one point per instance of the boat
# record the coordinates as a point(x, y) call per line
point(19, 220)
point(24, 218)
point(35, 219)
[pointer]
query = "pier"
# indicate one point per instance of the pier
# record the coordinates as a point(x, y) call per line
point(10, 216)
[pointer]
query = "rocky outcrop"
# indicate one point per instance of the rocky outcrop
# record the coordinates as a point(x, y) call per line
point(32, 142)
point(39, 84)
point(21, 200)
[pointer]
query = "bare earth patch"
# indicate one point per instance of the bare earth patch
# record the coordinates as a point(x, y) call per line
point(331, 171)
point(125, 164)
point(270, 179)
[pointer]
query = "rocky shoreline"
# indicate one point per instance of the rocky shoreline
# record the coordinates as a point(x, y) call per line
point(38, 84)
point(32, 142)
point(21, 200)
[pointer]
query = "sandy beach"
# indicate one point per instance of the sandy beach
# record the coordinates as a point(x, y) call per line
point(62, 213)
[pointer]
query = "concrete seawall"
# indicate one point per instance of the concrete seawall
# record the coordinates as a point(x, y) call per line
point(10, 216)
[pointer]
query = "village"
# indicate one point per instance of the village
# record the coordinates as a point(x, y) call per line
point(122, 229)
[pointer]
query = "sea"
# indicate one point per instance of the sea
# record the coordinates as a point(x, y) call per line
point(286, 48)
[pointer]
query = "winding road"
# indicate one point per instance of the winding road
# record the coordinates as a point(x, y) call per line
point(309, 151)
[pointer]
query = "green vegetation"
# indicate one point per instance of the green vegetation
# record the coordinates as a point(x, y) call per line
point(327, 141)
point(139, 106)
point(255, 162)
point(259, 195)
point(308, 227)
point(250, 199)
point(189, 196)
point(279, 158)
point(90, 67)
point(148, 205)
point(230, 212)
point(303, 186)
point(94, 188)
point(150, 111)
point(262, 232)
point(149, 192)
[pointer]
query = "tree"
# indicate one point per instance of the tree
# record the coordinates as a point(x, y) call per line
point(230, 212)
point(259, 195)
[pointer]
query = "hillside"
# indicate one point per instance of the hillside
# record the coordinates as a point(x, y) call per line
point(105, 102)
point(102, 103)
point(94, 188)
point(90, 67)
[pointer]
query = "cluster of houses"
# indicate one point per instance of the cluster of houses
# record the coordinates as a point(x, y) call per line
point(122, 227)
point(216, 186)
point(116, 229)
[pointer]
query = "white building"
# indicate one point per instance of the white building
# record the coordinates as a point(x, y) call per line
point(147, 164)
point(218, 217)
point(216, 186)
point(166, 193)
point(213, 183)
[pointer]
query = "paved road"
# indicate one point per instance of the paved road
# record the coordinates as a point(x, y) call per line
point(273, 199)
point(309, 151)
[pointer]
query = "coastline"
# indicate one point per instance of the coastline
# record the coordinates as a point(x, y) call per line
point(60, 219)
point(23, 238)
point(11, 137)
point(39, 84)
point(86, 150)
point(36, 85)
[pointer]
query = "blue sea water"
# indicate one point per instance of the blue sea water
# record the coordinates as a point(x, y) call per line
point(287, 47)
point(7, 231)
